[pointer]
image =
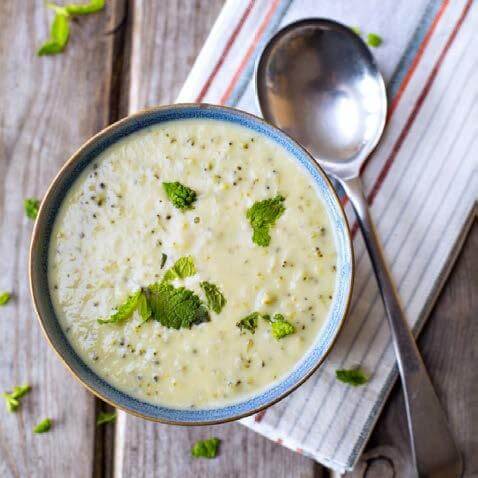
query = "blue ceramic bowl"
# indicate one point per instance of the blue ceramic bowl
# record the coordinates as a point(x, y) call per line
point(39, 263)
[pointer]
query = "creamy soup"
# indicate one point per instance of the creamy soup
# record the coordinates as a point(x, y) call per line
point(254, 281)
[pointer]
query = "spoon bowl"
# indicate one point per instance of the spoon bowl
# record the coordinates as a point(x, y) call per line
point(318, 81)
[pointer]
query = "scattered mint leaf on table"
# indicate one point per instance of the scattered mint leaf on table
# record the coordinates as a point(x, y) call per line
point(354, 377)
point(12, 399)
point(59, 34)
point(125, 310)
point(181, 196)
point(206, 448)
point(105, 417)
point(214, 297)
point(249, 322)
point(262, 216)
point(182, 268)
point(60, 28)
point(4, 297)
point(374, 40)
point(92, 6)
point(176, 307)
point(43, 426)
point(356, 30)
point(31, 206)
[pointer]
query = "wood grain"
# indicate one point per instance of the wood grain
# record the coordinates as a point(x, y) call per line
point(166, 37)
point(449, 347)
point(156, 450)
point(50, 105)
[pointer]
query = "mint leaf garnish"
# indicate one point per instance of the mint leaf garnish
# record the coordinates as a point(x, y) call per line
point(173, 307)
point(12, 399)
point(176, 307)
point(4, 297)
point(125, 310)
point(143, 306)
point(281, 328)
point(105, 417)
point(262, 216)
point(181, 196)
point(31, 206)
point(206, 448)
point(182, 268)
point(249, 322)
point(214, 298)
point(354, 377)
point(43, 426)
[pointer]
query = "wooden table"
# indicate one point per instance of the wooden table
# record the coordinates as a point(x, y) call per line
point(137, 54)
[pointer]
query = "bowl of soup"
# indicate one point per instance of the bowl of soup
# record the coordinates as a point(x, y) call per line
point(191, 264)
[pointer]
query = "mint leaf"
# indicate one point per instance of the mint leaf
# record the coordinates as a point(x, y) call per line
point(354, 377)
point(176, 307)
point(206, 448)
point(43, 426)
point(214, 298)
point(262, 216)
point(153, 301)
point(182, 268)
point(143, 306)
point(4, 297)
point(125, 310)
point(249, 322)
point(105, 417)
point(11, 403)
point(31, 206)
point(374, 40)
point(92, 6)
point(356, 30)
point(280, 328)
point(181, 196)
point(12, 400)
point(59, 34)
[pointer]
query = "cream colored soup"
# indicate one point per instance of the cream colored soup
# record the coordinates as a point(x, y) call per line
point(115, 224)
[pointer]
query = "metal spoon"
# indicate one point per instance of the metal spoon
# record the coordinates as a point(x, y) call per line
point(318, 81)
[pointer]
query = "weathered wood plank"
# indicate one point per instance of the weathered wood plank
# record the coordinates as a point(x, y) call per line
point(50, 105)
point(166, 37)
point(157, 450)
point(449, 344)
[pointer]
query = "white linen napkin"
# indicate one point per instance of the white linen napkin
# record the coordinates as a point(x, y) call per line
point(421, 184)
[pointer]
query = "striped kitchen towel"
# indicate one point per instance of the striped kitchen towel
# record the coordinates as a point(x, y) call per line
point(421, 184)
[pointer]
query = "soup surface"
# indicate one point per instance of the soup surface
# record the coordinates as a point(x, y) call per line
point(254, 281)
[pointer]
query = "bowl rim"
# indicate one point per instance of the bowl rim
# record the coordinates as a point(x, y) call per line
point(36, 235)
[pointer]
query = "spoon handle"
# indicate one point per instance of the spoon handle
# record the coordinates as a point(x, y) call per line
point(434, 451)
